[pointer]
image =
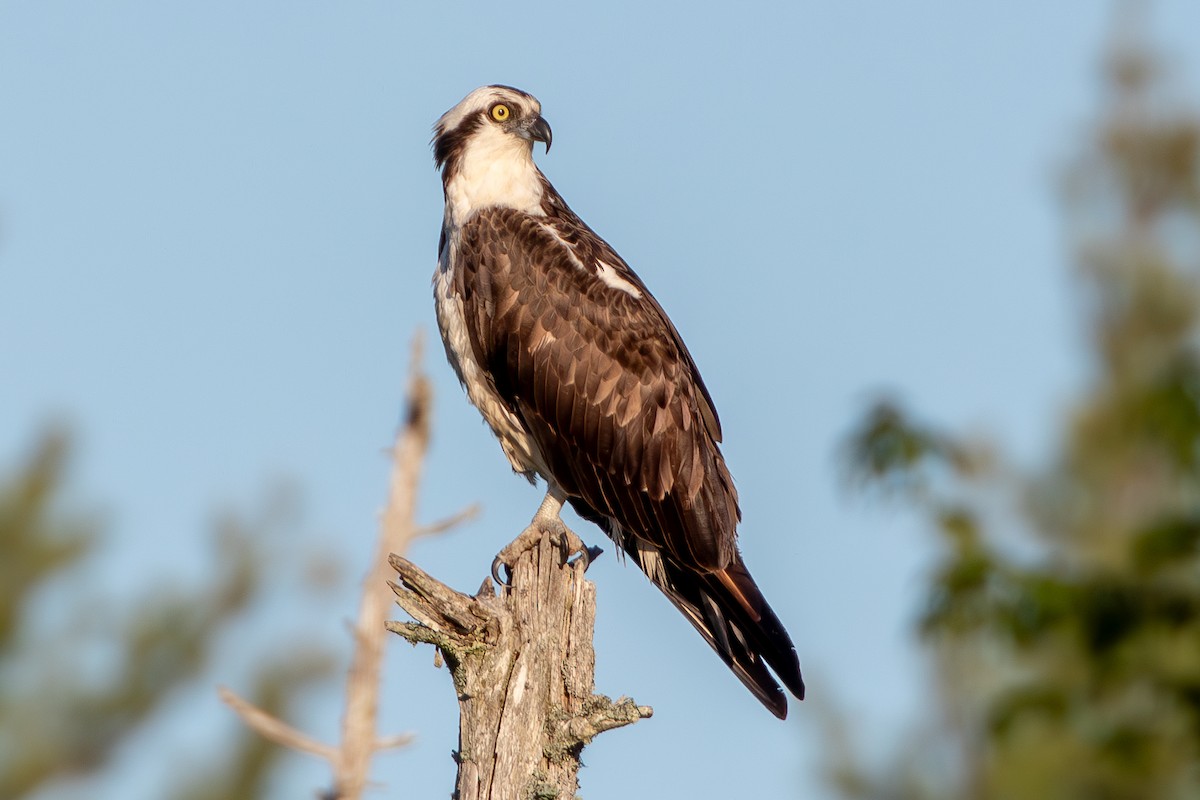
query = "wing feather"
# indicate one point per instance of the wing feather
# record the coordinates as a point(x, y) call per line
point(623, 422)
point(638, 404)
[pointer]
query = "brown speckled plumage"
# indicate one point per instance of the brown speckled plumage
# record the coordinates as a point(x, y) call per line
point(602, 384)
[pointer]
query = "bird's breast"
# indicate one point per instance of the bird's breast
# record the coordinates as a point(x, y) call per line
point(460, 352)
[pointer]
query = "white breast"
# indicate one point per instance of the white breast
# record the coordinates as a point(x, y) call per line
point(514, 441)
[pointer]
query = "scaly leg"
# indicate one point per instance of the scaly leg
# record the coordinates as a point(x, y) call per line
point(546, 520)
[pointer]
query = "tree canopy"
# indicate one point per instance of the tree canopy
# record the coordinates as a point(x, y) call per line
point(1063, 617)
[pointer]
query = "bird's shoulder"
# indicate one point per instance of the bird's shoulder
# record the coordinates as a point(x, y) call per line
point(509, 240)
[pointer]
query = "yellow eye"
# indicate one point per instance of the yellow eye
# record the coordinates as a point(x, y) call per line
point(500, 112)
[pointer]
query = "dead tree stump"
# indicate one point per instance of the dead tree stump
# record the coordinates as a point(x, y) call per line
point(523, 664)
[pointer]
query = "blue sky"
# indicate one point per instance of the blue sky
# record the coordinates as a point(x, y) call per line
point(218, 225)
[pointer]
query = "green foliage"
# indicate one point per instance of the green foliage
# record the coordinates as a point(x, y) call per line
point(58, 718)
point(34, 545)
point(1064, 614)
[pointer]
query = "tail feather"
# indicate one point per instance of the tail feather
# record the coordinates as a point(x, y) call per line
point(768, 634)
point(728, 610)
point(737, 653)
point(748, 636)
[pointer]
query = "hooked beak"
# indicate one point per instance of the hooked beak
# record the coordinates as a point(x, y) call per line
point(539, 131)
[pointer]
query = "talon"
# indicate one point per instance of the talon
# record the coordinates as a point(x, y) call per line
point(582, 557)
point(569, 544)
point(545, 523)
point(572, 545)
point(586, 556)
point(498, 562)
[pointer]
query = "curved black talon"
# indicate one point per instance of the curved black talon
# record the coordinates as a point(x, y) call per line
point(587, 555)
point(581, 557)
point(496, 564)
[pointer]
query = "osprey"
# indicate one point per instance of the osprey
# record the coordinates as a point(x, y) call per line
point(584, 380)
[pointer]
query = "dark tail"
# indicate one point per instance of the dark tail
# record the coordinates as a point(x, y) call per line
point(735, 619)
point(730, 612)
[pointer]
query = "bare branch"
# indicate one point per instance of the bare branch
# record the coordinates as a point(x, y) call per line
point(397, 528)
point(351, 759)
point(394, 742)
point(269, 727)
point(466, 515)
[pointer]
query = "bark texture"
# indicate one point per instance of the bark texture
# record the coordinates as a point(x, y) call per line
point(523, 664)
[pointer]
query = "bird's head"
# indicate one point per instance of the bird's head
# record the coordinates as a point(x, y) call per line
point(492, 122)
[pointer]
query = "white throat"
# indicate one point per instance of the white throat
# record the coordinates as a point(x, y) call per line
point(496, 169)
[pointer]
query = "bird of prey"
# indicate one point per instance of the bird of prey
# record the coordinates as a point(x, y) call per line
point(585, 382)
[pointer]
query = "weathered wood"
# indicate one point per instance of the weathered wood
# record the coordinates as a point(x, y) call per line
point(523, 668)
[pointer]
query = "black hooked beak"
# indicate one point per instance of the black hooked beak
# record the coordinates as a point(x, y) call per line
point(539, 131)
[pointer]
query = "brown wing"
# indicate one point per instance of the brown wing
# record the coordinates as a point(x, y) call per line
point(592, 249)
point(611, 397)
point(603, 384)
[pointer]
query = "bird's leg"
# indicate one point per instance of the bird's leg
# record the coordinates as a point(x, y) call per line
point(546, 520)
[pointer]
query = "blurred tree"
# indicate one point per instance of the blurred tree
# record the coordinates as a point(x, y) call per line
point(61, 719)
point(1064, 616)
